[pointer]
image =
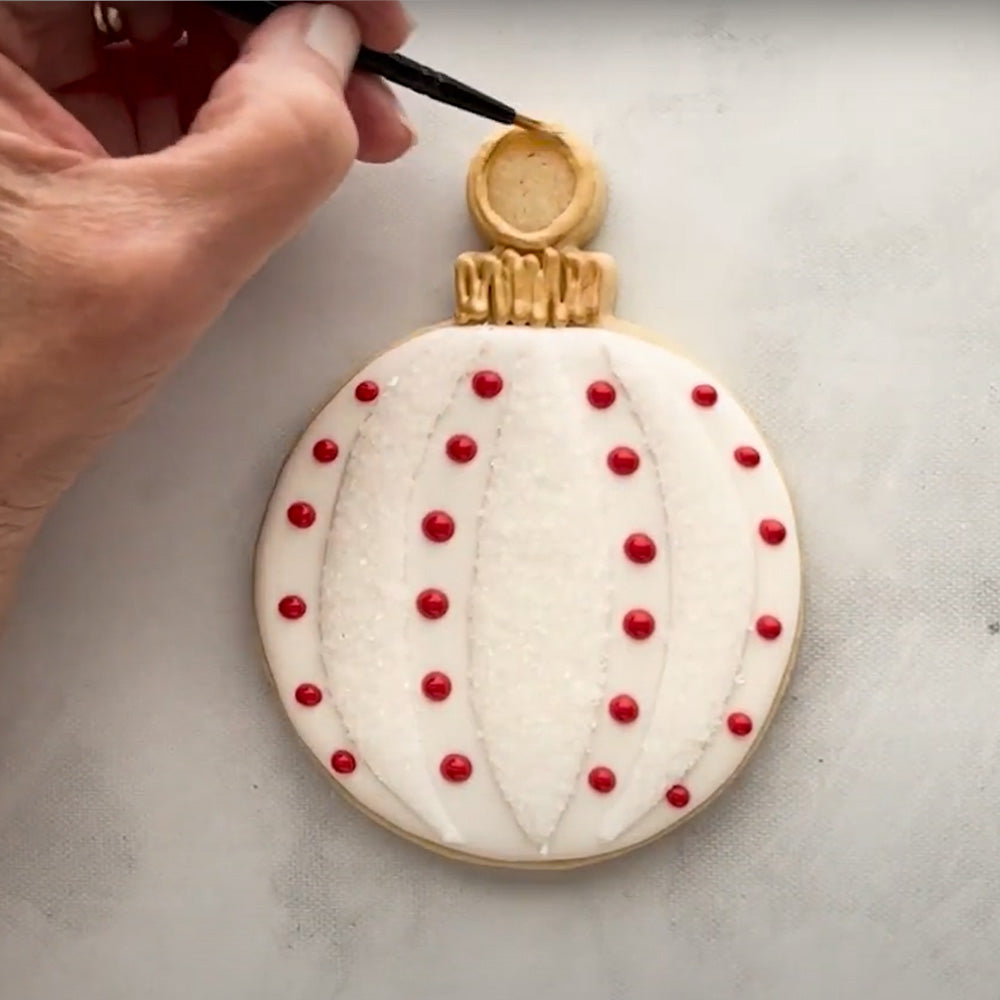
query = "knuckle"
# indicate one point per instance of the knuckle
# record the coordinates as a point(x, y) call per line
point(315, 127)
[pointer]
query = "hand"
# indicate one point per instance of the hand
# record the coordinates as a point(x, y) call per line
point(141, 184)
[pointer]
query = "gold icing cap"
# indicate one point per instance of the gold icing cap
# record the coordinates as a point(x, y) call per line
point(533, 189)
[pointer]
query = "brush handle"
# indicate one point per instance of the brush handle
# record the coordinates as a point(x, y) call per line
point(421, 79)
point(395, 68)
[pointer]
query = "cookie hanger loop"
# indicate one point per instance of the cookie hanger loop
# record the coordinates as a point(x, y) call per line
point(537, 197)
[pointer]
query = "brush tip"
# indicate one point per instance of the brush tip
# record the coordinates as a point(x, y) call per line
point(531, 124)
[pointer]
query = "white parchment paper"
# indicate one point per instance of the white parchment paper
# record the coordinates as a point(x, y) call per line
point(807, 199)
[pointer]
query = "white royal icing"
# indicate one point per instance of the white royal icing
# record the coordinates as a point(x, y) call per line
point(366, 605)
point(538, 633)
point(711, 597)
point(538, 585)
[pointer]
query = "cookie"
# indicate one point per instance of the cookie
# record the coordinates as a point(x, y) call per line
point(529, 586)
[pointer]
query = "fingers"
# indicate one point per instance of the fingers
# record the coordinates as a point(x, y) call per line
point(25, 109)
point(384, 24)
point(55, 42)
point(384, 131)
point(149, 23)
point(271, 143)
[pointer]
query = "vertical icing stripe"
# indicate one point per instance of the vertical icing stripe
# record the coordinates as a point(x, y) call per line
point(540, 598)
point(366, 602)
point(450, 727)
point(712, 582)
point(633, 503)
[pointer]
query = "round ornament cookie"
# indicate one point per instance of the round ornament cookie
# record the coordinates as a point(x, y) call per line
point(529, 586)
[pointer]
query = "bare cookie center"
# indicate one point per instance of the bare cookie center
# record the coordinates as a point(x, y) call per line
point(529, 180)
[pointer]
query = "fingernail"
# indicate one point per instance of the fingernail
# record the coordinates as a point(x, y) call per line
point(334, 34)
point(405, 121)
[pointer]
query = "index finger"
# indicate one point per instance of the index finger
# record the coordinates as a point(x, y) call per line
point(384, 24)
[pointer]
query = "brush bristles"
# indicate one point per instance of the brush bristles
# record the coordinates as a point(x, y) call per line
point(532, 124)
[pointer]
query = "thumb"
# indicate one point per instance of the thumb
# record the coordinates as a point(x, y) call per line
point(273, 140)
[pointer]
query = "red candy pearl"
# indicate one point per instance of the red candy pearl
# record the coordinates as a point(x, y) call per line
point(768, 627)
point(740, 724)
point(748, 457)
point(461, 448)
point(432, 603)
point(773, 532)
point(487, 384)
point(601, 395)
point(678, 796)
point(291, 607)
point(343, 762)
point(438, 526)
point(602, 779)
point(623, 461)
point(436, 686)
point(640, 548)
point(366, 392)
point(456, 767)
point(623, 708)
point(325, 450)
point(302, 514)
point(638, 624)
point(308, 695)
point(705, 395)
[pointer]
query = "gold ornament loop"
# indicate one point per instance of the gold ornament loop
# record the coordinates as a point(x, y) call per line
point(534, 189)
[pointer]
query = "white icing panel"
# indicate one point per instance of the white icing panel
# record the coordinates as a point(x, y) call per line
point(537, 583)
point(366, 602)
point(711, 597)
point(540, 595)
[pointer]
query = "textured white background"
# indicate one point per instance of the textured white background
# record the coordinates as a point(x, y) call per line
point(806, 198)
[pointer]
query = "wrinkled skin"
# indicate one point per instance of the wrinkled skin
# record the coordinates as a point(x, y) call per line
point(141, 184)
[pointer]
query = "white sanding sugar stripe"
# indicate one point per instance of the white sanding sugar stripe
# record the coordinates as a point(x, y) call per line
point(449, 726)
point(711, 595)
point(638, 503)
point(365, 601)
point(540, 599)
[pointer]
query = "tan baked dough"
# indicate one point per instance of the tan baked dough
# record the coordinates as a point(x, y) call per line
point(538, 197)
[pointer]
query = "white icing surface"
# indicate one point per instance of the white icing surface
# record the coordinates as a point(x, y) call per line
point(538, 585)
point(366, 604)
point(539, 634)
point(712, 591)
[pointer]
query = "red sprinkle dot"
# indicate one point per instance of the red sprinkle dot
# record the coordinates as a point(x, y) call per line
point(308, 695)
point(623, 708)
point(438, 526)
point(773, 532)
point(623, 461)
point(436, 686)
point(487, 384)
point(343, 762)
point(768, 627)
point(601, 395)
point(638, 624)
point(456, 767)
point(740, 724)
point(705, 395)
point(461, 448)
point(325, 450)
point(366, 392)
point(640, 548)
point(602, 779)
point(291, 607)
point(302, 514)
point(432, 603)
point(746, 456)
point(678, 796)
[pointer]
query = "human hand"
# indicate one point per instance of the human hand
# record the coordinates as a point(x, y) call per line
point(140, 186)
